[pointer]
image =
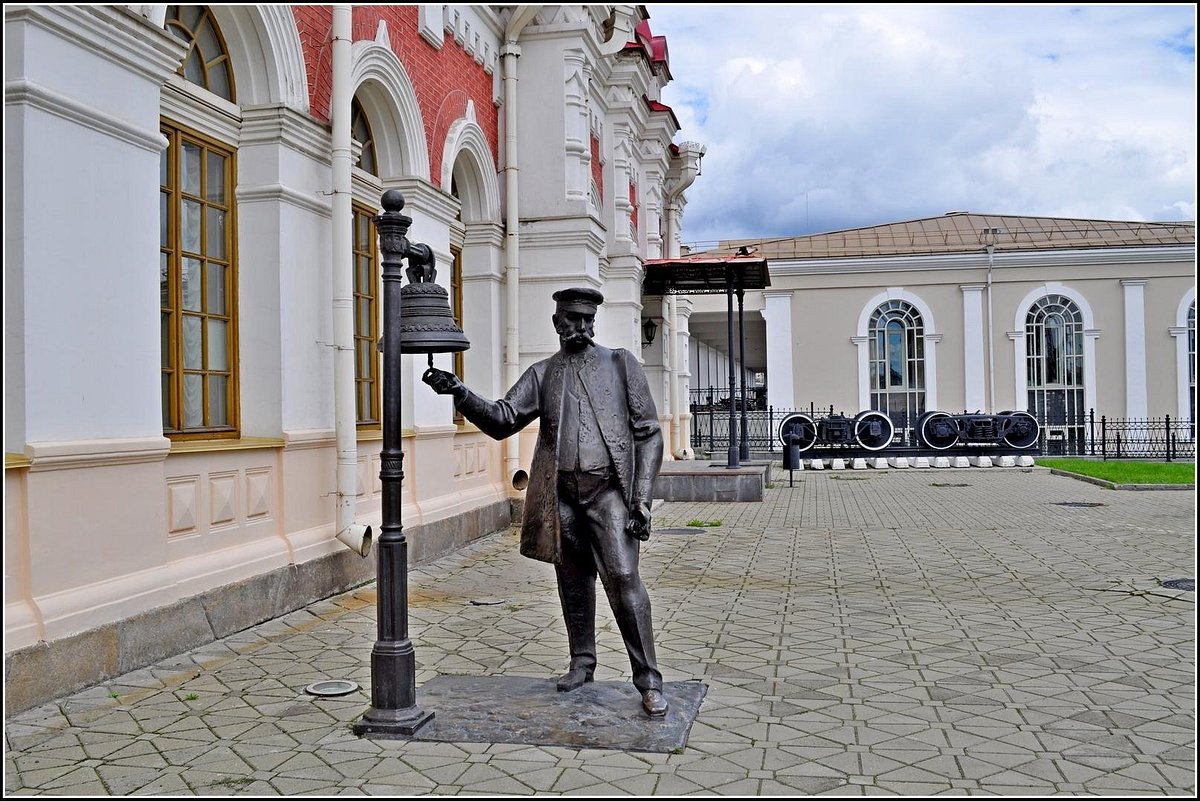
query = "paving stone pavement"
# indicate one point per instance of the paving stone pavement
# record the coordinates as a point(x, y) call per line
point(911, 632)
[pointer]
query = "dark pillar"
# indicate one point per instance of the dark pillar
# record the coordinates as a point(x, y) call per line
point(744, 452)
point(394, 711)
point(733, 433)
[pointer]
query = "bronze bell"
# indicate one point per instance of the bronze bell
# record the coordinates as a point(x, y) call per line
point(426, 322)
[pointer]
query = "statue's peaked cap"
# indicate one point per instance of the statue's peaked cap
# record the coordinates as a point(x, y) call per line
point(582, 297)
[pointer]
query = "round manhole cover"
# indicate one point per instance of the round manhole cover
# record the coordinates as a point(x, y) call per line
point(331, 687)
point(1079, 504)
point(1188, 584)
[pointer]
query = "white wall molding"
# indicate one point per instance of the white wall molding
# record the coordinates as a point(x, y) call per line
point(278, 193)
point(386, 93)
point(974, 348)
point(72, 454)
point(44, 99)
point(781, 382)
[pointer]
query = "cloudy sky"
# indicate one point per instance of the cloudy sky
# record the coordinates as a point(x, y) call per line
point(819, 118)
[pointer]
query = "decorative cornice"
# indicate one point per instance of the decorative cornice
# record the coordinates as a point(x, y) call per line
point(421, 194)
point(1133, 282)
point(74, 454)
point(279, 124)
point(21, 91)
point(114, 33)
point(1001, 260)
point(973, 287)
point(591, 239)
point(860, 340)
point(934, 338)
point(483, 234)
point(309, 438)
point(1179, 330)
point(1091, 333)
point(200, 109)
point(278, 193)
point(1015, 335)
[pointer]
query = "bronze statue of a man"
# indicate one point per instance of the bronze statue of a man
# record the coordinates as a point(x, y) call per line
point(598, 452)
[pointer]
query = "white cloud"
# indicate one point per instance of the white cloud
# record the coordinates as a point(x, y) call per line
point(820, 118)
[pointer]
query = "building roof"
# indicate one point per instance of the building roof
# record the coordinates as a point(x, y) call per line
point(961, 231)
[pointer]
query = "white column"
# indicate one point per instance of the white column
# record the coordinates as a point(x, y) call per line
point(1183, 374)
point(931, 383)
point(1135, 348)
point(1020, 381)
point(974, 356)
point(781, 387)
point(864, 379)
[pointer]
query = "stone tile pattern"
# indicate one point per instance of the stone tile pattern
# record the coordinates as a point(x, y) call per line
point(858, 637)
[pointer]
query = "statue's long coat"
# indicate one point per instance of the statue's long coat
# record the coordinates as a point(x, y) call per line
point(620, 397)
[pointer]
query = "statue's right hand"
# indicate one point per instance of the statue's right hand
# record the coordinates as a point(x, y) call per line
point(442, 382)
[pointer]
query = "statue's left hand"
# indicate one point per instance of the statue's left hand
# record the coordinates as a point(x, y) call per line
point(639, 522)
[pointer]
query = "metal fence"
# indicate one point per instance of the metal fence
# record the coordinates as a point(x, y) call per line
point(1163, 438)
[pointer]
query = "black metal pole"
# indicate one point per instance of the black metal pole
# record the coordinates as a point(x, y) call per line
point(733, 438)
point(744, 453)
point(394, 711)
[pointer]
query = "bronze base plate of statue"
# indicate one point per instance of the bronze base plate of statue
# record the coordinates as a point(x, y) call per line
point(515, 709)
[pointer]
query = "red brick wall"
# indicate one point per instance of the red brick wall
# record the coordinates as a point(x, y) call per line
point(633, 201)
point(597, 167)
point(444, 80)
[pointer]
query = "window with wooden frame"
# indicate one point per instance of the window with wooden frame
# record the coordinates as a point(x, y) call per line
point(198, 286)
point(207, 61)
point(366, 319)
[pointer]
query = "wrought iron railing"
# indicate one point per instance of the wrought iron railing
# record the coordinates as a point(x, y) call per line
point(1164, 438)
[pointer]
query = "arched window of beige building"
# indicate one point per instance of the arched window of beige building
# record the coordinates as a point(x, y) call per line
point(1054, 367)
point(897, 363)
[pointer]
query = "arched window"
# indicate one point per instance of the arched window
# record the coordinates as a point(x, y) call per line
point(197, 267)
point(1054, 366)
point(897, 363)
point(366, 275)
point(366, 319)
point(360, 129)
point(207, 60)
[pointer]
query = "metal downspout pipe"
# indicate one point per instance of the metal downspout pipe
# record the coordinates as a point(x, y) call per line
point(355, 536)
point(509, 53)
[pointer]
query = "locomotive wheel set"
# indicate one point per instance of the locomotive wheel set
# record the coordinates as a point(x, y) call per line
point(873, 431)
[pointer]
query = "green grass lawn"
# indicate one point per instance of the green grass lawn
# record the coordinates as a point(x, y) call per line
point(1122, 472)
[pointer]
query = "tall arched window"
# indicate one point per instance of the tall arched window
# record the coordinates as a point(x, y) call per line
point(1054, 366)
point(366, 279)
point(897, 363)
point(197, 268)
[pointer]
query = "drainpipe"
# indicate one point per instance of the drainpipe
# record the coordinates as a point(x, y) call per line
point(509, 53)
point(354, 536)
point(691, 153)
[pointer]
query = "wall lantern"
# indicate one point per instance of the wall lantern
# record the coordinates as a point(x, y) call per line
point(649, 329)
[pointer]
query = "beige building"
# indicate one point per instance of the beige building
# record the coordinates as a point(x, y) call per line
point(970, 312)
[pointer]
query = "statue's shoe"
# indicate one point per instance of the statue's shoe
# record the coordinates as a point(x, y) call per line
point(654, 703)
point(573, 679)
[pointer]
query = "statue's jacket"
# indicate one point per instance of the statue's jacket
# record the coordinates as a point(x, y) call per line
point(618, 394)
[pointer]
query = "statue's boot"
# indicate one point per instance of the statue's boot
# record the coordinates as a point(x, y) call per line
point(573, 679)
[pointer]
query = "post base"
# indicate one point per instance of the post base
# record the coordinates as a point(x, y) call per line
point(391, 723)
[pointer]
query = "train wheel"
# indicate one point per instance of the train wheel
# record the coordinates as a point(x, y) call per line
point(873, 430)
point(937, 430)
point(798, 427)
point(1020, 430)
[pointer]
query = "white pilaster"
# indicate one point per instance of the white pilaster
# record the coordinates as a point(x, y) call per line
point(1135, 348)
point(1183, 370)
point(864, 379)
point(974, 356)
point(781, 385)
